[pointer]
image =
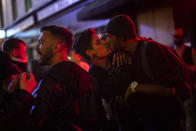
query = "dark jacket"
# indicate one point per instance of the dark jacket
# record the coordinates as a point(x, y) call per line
point(66, 99)
point(14, 110)
point(149, 111)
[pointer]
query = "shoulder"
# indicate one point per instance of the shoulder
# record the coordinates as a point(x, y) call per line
point(159, 48)
point(155, 44)
point(78, 70)
point(45, 84)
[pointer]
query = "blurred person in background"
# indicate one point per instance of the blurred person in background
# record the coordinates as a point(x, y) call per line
point(9, 97)
point(17, 51)
point(187, 52)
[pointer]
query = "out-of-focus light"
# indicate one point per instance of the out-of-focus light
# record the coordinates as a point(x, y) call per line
point(68, 57)
point(100, 35)
point(2, 34)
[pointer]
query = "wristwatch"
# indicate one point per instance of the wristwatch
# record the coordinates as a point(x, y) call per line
point(133, 86)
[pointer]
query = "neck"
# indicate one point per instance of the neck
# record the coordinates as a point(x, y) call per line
point(58, 58)
point(101, 62)
point(131, 45)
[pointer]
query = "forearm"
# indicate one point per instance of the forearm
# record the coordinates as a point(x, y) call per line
point(153, 89)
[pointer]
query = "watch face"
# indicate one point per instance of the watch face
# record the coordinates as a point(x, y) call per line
point(134, 83)
point(133, 86)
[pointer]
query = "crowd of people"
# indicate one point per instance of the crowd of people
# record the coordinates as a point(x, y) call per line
point(133, 83)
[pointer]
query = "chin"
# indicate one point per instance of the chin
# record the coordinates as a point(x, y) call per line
point(42, 61)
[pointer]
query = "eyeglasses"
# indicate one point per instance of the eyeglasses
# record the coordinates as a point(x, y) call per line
point(106, 36)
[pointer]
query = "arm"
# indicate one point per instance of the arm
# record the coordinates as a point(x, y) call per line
point(23, 99)
point(149, 89)
point(154, 90)
point(169, 70)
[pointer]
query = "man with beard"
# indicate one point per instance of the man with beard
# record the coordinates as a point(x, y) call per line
point(17, 51)
point(65, 97)
point(153, 68)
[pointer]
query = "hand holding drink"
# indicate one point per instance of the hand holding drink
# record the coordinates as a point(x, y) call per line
point(28, 82)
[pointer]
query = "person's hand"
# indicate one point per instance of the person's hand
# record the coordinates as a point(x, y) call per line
point(14, 84)
point(28, 82)
point(130, 96)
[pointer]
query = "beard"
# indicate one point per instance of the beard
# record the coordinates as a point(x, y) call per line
point(117, 47)
point(45, 59)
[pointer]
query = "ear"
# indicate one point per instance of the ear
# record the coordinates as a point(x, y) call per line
point(89, 53)
point(57, 46)
point(14, 53)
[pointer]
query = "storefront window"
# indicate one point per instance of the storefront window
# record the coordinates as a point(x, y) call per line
point(28, 5)
point(1, 15)
point(14, 9)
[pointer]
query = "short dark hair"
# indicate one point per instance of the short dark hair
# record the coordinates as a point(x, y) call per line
point(10, 44)
point(121, 26)
point(83, 42)
point(61, 33)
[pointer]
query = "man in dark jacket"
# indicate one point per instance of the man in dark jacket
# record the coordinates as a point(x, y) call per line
point(162, 70)
point(65, 97)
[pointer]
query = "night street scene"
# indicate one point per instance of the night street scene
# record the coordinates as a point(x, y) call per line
point(98, 65)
